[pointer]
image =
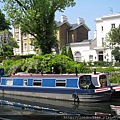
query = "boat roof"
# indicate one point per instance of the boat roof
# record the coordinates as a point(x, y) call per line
point(54, 75)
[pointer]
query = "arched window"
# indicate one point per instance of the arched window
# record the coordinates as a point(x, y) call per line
point(78, 56)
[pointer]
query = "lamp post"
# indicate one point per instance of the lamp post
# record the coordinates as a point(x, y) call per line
point(76, 71)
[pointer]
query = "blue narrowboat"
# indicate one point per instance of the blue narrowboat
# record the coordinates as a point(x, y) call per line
point(80, 87)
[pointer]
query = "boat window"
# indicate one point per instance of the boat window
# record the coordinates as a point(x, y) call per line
point(37, 82)
point(95, 82)
point(60, 83)
point(103, 80)
point(9, 82)
point(25, 83)
point(84, 81)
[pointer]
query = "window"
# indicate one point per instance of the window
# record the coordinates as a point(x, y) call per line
point(102, 41)
point(73, 38)
point(112, 25)
point(60, 83)
point(78, 56)
point(25, 46)
point(102, 28)
point(91, 57)
point(103, 80)
point(31, 36)
point(31, 46)
point(37, 82)
point(25, 36)
point(17, 30)
point(17, 37)
point(25, 83)
point(84, 81)
point(17, 49)
point(9, 82)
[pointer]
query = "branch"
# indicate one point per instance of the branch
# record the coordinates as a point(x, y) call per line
point(20, 4)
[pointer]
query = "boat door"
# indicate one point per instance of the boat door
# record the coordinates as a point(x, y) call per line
point(85, 81)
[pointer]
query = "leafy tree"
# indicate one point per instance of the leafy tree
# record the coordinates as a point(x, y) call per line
point(70, 55)
point(113, 41)
point(64, 51)
point(116, 53)
point(7, 43)
point(4, 24)
point(36, 17)
point(113, 37)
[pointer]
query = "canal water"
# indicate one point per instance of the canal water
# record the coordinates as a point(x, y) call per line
point(15, 107)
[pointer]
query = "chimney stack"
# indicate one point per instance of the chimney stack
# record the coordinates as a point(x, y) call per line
point(63, 18)
point(80, 20)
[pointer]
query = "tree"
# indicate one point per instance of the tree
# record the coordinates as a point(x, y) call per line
point(116, 53)
point(64, 51)
point(7, 43)
point(70, 55)
point(113, 37)
point(4, 24)
point(113, 41)
point(36, 17)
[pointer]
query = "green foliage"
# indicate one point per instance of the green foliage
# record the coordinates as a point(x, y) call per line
point(100, 63)
point(117, 64)
point(7, 43)
point(70, 55)
point(44, 63)
point(113, 38)
point(115, 77)
point(106, 69)
point(83, 69)
point(3, 22)
point(64, 51)
point(116, 53)
point(36, 17)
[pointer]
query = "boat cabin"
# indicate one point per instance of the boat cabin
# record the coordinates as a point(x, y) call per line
point(80, 81)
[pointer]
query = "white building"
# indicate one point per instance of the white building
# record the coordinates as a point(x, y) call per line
point(93, 50)
point(103, 26)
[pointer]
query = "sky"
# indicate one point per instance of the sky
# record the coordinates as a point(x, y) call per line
point(90, 10)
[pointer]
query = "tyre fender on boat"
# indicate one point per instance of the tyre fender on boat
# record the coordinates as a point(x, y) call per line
point(74, 95)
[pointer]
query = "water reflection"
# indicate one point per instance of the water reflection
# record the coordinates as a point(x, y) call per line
point(58, 107)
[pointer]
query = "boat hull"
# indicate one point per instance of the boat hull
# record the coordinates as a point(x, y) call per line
point(97, 97)
point(116, 93)
point(58, 94)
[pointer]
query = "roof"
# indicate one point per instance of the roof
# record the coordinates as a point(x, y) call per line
point(73, 26)
point(61, 23)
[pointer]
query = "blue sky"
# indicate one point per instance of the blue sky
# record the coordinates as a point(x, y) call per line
point(90, 10)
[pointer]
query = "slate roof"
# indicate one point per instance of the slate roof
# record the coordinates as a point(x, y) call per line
point(72, 26)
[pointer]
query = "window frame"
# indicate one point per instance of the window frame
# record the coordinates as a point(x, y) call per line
point(39, 81)
point(25, 80)
point(60, 81)
point(9, 82)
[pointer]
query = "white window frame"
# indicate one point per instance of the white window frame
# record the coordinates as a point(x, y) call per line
point(37, 80)
point(63, 81)
point(25, 82)
point(9, 82)
point(25, 47)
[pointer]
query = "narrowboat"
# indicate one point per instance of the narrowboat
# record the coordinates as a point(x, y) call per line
point(116, 93)
point(72, 87)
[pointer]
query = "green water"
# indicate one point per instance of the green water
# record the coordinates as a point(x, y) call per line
point(63, 107)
